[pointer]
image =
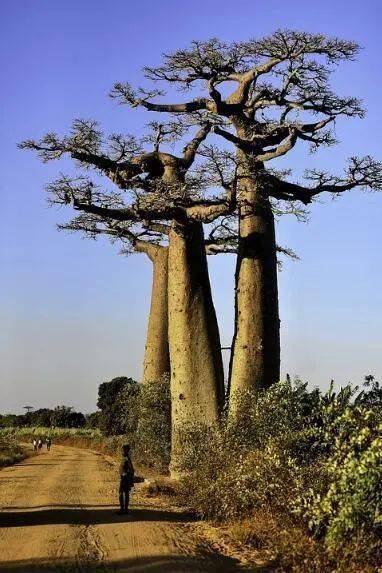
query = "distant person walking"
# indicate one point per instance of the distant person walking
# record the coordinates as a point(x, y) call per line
point(35, 445)
point(39, 445)
point(126, 472)
point(48, 442)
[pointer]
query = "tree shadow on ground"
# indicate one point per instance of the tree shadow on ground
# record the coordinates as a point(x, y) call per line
point(152, 564)
point(87, 515)
point(34, 465)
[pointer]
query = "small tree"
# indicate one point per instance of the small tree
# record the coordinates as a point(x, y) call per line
point(117, 402)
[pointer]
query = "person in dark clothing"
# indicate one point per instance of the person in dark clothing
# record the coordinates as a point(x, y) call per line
point(126, 472)
point(48, 442)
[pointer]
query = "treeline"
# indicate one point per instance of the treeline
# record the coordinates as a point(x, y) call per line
point(115, 400)
point(59, 417)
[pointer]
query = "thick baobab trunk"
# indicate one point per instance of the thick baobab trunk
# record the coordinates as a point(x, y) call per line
point(156, 361)
point(197, 380)
point(255, 357)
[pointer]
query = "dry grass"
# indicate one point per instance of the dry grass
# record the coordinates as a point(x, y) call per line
point(292, 549)
point(161, 486)
point(11, 453)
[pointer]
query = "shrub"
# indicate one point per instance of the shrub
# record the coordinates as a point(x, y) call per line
point(152, 444)
point(10, 451)
point(350, 508)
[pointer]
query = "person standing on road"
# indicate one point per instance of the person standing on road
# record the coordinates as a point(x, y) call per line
point(126, 473)
point(35, 445)
point(39, 444)
point(48, 442)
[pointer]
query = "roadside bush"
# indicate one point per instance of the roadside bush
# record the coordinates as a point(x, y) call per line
point(10, 451)
point(283, 544)
point(351, 507)
point(307, 458)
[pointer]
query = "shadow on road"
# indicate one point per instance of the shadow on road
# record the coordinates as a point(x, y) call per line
point(154, 564)
point(86, 515)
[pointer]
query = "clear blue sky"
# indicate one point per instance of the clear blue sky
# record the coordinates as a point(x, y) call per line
point(73, 312)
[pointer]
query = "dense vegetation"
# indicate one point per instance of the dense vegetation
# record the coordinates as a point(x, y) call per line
point(300, 474)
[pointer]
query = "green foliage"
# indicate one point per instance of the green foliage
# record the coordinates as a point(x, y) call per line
point(93, 420)
point(28, 433)
point(117, 401)
point(372, 396)
point(64, 417)
point(153, 438)
point(10, 420)
point(139, 413)
point(351, 504)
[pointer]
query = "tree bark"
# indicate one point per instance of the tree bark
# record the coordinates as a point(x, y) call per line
point(255, 356)
point(157, 360)
point(197, 379)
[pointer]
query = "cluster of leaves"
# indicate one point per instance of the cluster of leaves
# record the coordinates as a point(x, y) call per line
point(312, 457)
point(350, 505)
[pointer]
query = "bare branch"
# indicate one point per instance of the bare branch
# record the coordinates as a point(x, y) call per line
point(282, 149)
point(125, 95)
point(192, 147)
point(363, 172)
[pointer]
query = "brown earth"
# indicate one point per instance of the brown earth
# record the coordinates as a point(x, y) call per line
point(58, 513)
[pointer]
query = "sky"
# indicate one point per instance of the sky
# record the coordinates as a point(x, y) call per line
point(73, 311)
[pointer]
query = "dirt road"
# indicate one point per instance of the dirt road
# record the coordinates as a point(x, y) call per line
point(58, 513)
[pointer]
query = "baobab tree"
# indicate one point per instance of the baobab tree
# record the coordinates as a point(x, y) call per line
point(165, 199)
point(273, 84)
point(28, 408)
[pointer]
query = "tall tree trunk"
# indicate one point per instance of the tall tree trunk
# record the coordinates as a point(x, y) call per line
point(157, 360)
point(255, 356)
point(197, 380)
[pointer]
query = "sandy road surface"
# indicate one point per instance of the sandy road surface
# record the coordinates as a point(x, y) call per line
point(58, 513)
